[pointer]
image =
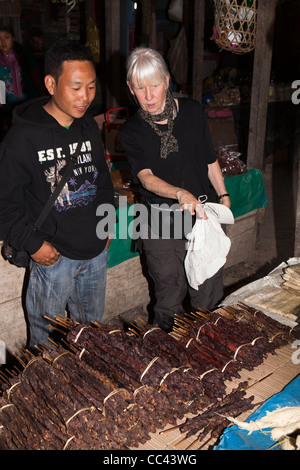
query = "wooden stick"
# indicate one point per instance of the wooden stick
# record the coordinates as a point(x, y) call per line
point(38, 349)
point(134, 332)
point(180, 332)
point(17, 370)
point(180, 442)
point(142, 321)
point(260, 380)
point(192, 443)
point(58, 329)
point(11, 373)
point(28, 354)
point(98, 324)
point(64, 320)
point(4, 378)
point(165, 431)
point(20, 360)
point(204, 443)
point(278, 443)
point(73, 347)
point(175, 335)
point(54, 320)
point(50, 340)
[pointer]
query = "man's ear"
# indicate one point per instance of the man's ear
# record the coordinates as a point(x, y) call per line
point(50, 84)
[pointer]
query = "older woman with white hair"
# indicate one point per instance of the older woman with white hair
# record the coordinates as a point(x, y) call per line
point(171, 156)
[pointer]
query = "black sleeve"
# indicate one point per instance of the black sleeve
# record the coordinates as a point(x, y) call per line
point(104, 181)
point(131, 138)
point(14, 224)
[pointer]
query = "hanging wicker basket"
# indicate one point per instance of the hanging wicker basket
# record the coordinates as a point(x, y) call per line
point(235, 25)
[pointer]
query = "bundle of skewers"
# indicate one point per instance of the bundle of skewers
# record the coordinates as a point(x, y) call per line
point(233, 338)
point(213, 420)
point(105, 388)
point(291, 279)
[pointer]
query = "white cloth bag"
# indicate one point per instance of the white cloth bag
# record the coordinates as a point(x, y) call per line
point(208, 246)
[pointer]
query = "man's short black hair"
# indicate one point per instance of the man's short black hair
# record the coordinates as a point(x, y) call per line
point(64, 51)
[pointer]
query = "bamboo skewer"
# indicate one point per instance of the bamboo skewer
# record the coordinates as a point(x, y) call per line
point(192, 444)
point(204, 443)
point(181, 441)
point(165, 431)
point(260, 380)
point(4, 378)
point(20, 360)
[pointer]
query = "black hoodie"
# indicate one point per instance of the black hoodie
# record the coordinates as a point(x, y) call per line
point(34, 152)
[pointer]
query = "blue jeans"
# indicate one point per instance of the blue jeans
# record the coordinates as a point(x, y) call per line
point(78, 285)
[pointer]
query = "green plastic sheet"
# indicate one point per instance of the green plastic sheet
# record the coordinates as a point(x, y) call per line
point(247, 192)
point(122, 247)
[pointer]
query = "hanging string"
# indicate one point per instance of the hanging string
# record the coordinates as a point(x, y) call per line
point(70, 4)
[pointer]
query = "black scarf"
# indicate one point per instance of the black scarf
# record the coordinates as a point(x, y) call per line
point(168, 142)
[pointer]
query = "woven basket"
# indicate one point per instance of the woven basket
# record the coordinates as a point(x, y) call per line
point(235, 25)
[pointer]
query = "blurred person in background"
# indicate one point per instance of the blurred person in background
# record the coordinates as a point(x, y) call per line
point(20, 73)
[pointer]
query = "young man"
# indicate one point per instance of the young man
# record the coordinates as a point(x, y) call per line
point(68, 260)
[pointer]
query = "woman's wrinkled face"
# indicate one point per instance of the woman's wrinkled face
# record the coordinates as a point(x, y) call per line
point(6, 42)
point(151, 97)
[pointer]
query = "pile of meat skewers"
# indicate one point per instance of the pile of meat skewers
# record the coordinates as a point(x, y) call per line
point(106, 388)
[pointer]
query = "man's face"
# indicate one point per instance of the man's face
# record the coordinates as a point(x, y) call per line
point(73, 93)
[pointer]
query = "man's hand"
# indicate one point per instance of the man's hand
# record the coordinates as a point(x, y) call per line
point(108, 243)
point(46, 255)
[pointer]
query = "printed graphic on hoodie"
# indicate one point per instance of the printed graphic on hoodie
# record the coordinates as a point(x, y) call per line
point(78, 191)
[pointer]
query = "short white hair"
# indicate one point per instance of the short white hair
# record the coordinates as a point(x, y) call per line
point(146, 66)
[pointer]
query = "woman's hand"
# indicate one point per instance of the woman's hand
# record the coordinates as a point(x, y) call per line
point(225, 201)
point(188, 202)
point(46, 255)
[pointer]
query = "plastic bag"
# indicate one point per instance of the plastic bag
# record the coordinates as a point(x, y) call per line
point(208, 247)
point(235, 438)
point(230, 162)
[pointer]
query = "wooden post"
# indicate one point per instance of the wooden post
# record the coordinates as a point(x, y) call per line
point(260, 82)
point(112, 49)
point(199, 21)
